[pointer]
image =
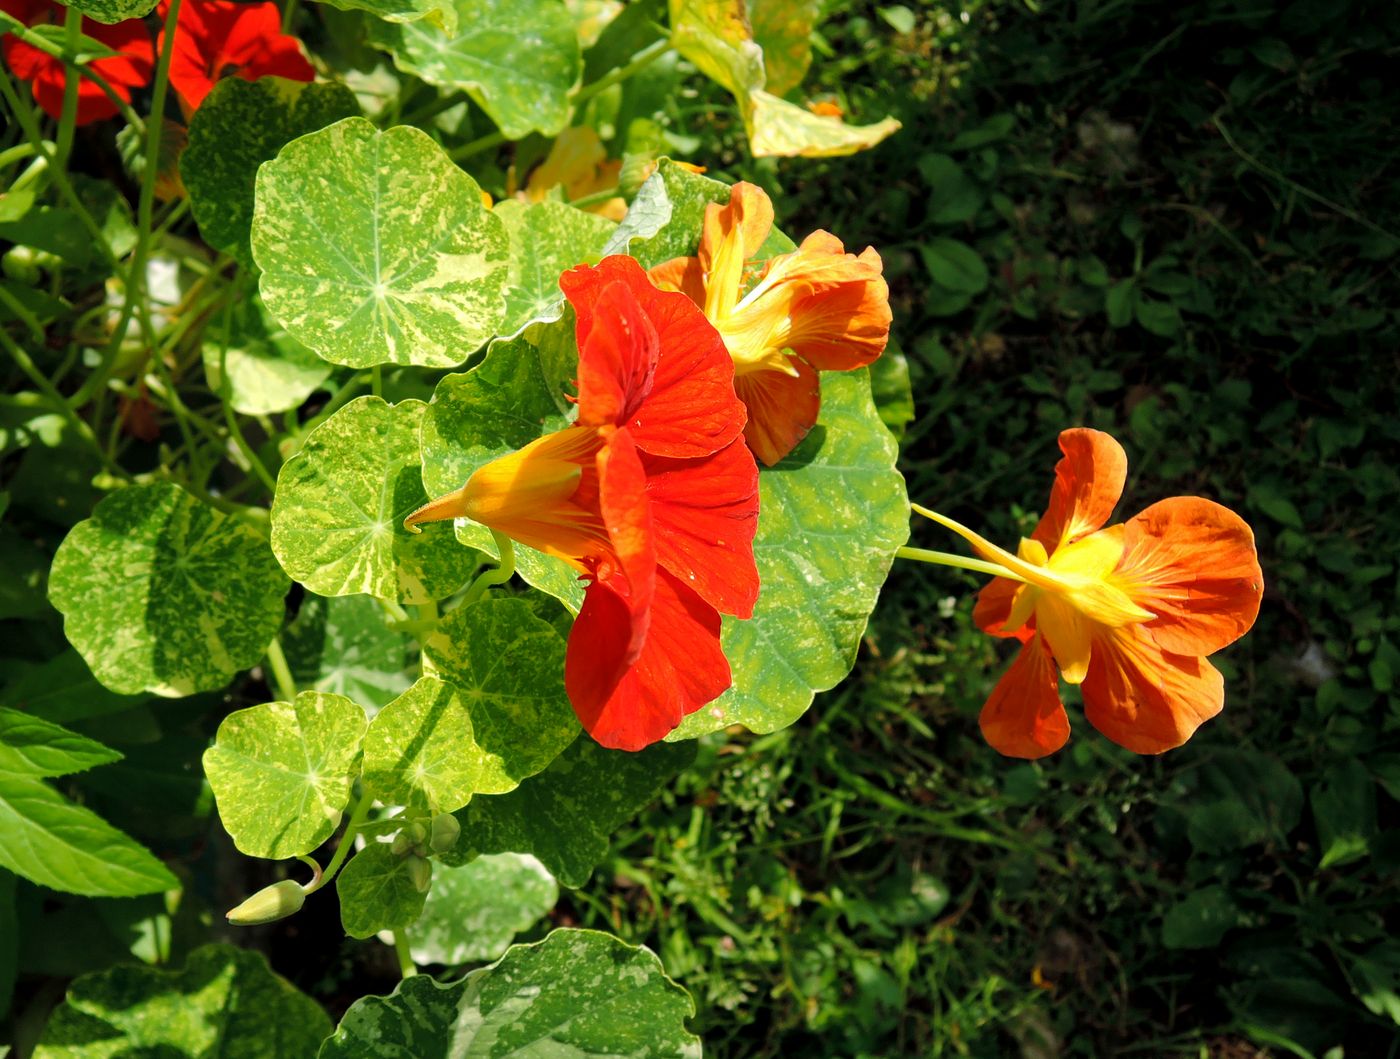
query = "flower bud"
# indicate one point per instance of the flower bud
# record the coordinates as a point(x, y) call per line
point(403, 842)
point(271, 903)
point(420, 873)
point(444, 832)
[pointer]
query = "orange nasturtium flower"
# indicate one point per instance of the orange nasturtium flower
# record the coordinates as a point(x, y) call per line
point(650, 494)
point(1128, 612)
point(815, 309)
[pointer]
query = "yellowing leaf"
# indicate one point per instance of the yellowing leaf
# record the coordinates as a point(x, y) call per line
point(716, 36)
point(783, 29)
point(781, 129)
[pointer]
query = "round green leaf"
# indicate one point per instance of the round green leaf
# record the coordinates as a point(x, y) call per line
point(546, 239)
point(578, 993)
point(238, 127)
point(113, 11)
point(506, 665)
point(345, 646)
point(267, 369)
point(377, 892)
point(474, 911)
point(281, 772)
point(830, 518)
point(337, 518)
point(519, 59)
point(225, 1002)
point(162, 593)
point(376, 249)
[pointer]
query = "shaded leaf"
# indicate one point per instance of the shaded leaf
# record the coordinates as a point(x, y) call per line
point(30, 746)
point(377, 892)
point(955, 265)
point(1344, 810)
point(1200, 920)
point(344, 645)
point(267, 369)
point(9, 942)
point(473, 911)
point(62, 690)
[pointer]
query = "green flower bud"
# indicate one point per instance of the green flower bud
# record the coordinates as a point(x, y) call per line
point(420, 872)
point(444, 832)
point(403, 842)
point(271, 903)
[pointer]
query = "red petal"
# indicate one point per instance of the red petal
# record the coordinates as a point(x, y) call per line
point(1144, 698)
point(1088, 482)
point(994, 607)
point(622, 499)
point(1193, 564)
point(1024, 717)
point(617, 361)
point(691, 410)
point(706, 513)
point(681, 667)
point(782, 409)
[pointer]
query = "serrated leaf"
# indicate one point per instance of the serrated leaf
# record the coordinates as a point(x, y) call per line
point(238, 127)
point(376, 249)
point(57, 844)
point(377, 892)
point(281, 772)
point(473, 911)
point(30, 746)
point(579, 993)
point(519, 60)
point(831, 516)
point(160, 592)
point(507, 664)
point(546, 239)
point(112, 11)
point(566, 815)
point(267, 369)
point(225, 1002)
point(337, 518)
point(344, 645)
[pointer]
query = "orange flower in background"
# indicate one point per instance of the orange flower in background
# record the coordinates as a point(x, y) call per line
point(218, 38)
point(650, 494)
point(1129, 612)
point(130, 68)
point(815, 309)
point(579, 163)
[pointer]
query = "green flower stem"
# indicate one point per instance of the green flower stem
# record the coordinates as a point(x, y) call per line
point(977, 566)
point(481, 143)
point(18, 153)
point(595, 199)
point(497, 575)
point(281, 672)
point(407, 967)
point(358, 815)
point(68, 116)
point(635, 65)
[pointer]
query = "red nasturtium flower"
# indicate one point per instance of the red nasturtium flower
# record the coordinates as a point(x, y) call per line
point(650, 494)
point(815, 309)
point(218, 38)
point(1129, 612)
point(130, 68)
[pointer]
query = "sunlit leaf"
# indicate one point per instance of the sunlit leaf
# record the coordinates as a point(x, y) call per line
point(440, 14)
point(376, 249)
point(546, 239)
point(337, 518)
point(578, 993)
point(162, 593)
point(377, 892)
point(111, 11)
point(30, 746)
point(281, 772)
point(344, 645)
point(267, 369)
point(473, 911)
point(224, 1002)
point(781, 129)
point(783, 29)
point(519, 59)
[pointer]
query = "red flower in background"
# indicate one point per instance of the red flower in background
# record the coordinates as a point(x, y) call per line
point(46, 74)
point(651, 494)
point(217, 38)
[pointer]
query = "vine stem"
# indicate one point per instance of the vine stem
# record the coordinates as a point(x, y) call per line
point(68, 116)
point(497, 575)
point(407, 968)
point(281, 672)
point(358, 815)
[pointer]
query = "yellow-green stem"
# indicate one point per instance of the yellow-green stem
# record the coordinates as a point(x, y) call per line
point(977, 566)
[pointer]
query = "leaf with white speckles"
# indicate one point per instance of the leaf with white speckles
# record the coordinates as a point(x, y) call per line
point(337, 518)
point(830, 518)
point(473, 911)
point(506, 666)
point(225, 1002)
point(546, 239)
point(441, 14)
point(566, 815)
point(162, 593)
point(519, 59)
point(237, 128)
point(267, 369)
point(664, 219)
point(344, 645)
point(377, 892)
point(281, 772)
point(508, 400)
point(376, 249)
point(579, 993)
point(113, 11)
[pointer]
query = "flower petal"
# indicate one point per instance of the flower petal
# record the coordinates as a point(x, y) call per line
point(993, 608)
point(691, 409)
point(681, 666)
point(618, 361)
point(1088, 482)
point(626, 510)
point(1024, 716)
point(782, 409)
point(706, 513)
point(732, 234)
point(1146, 699)
point(1193, 564)
point(681, 274)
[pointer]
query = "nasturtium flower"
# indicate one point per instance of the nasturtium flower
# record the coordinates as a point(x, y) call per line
point(219, 38)
point(1128, 612)
point(815, 309)
point(130, 68)
point(650, 494)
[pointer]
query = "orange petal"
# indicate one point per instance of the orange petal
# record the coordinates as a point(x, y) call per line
point(681, 274)
point(733, 233)
point(1024, 717)
point(1193, 564)
point(841, 320)
point(1146, 699)
point(1088, 482)
point(994, 607)
point(782, 409)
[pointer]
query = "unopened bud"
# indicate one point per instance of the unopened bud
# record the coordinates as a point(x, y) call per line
point(420, 873)
point(444, 832)
point(402, 843)
point(271, 903)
